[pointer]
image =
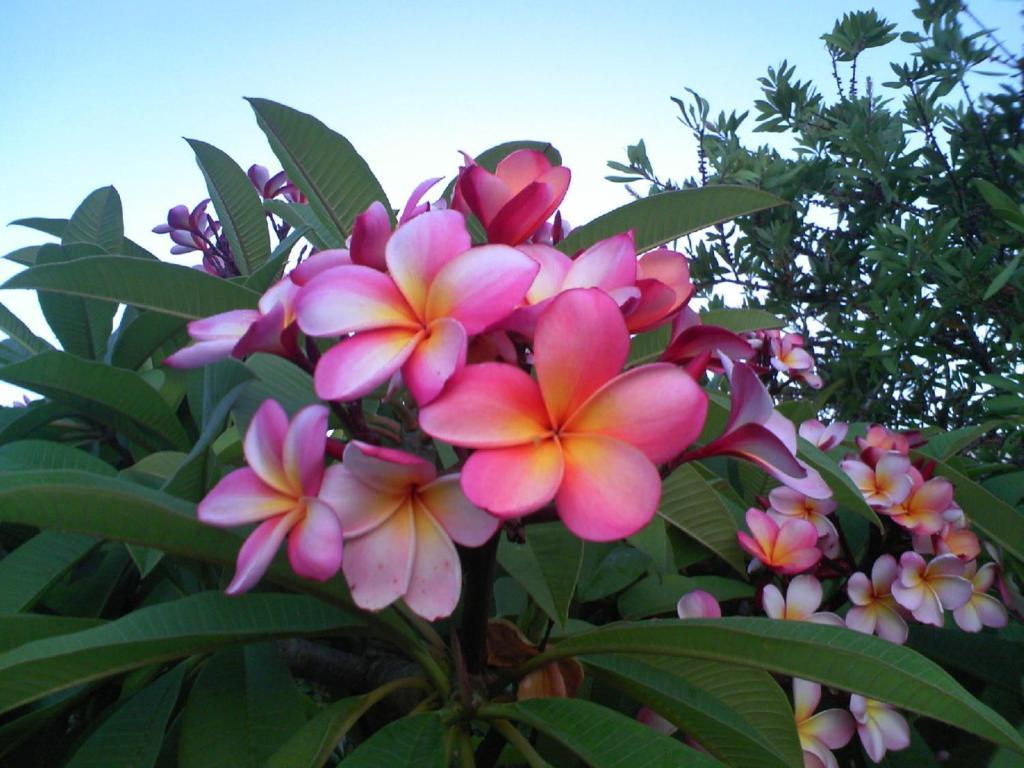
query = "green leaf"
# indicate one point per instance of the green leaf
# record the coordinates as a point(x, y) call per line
point(741, 320)
point(54, 227)
point(277, 378)
point(947, 444)
point(610, 569)
point(20, 628)
point(105, 394)
point(656, 595)
point(320, 162)
point(414, 740)
point(195, 624)
point(238, 205)
point(20, 333)
point(142, 337)
point(43, 454)
point(1003, 277)
point(304, 220)
point(82, 326)
point(602, 737)
point(662, 218)
point(97, 221)
point(312, 745)
point(242, 707)
point(25, 256)
point(834, 656)
point(270, 272)
point(132, 735)
point(648, 347)
point(168, 288)
point(547, 566)
point(720, 728)
point(843, 489)
point(27, 572)
point(996, 520)
point(986, 656)
point(690, 504)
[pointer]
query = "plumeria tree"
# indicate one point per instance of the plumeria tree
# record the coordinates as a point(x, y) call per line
point(457, 484)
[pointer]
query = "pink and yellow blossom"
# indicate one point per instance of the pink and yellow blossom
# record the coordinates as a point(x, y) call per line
point(874, 608)
point(801, 603)
point(923, 510)
point(825, 438)
point(819, 733)
point(580, 434)
point(880, 727)
point(787, 504)
point(789, 548)
point(889, 483)
point(926, 590)
point(981, 609)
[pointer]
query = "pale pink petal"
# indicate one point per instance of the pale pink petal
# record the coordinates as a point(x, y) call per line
point(698, 604)
point(909, 597)
point(319, 262)
point(991, 612)
point(419, 249)
point(967, 617)
point(481, 286)
point(912, 568)
point(489, 405)
point(571, 365)
point(763, 527)
point(773, 602)
point(750, 402)
point(258, 551)
point(655, 722)
point(859, 589)
point(520, 168)
point(930, 609)
point(303, 454)
point(757, 444)
point(669, 268)
point(895, 731)
point(872, 739)
point(554, 265)
point(883, 573)
point(833, 727)
point(387, 469)
point(892, 474)
point(610, 490)
point(281, 294)
point(436, 579)
point(464, 522)
point(436, 358)
point(514, 481)
point(827, 618)
point(264, 445)
point(945, 565)
point(787, 501)
point(751, 546)
point(608, 264)
point(803, 596)
point(952, 591)
point(812, 431)
point(984, 577)
point(890, 625)
point(264, 335)
point(936, 495)
point(798, 560)
point(356, 366)
point(806, 696)
point(359, 507)
point(861, 474)
point(862, 619)
point(378, 564)
point(314, 544)
point(201, 353)
point(240, 498)
point(370, 232)
point(657, 408)
point(353, 298)
point(413, 207)
point(226, 325)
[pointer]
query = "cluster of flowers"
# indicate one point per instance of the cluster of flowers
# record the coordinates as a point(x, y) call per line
point(197, 230)
point(784, 352)
point(420, 312)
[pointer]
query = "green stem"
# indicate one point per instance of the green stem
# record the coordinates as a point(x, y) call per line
point(466, 759)
point(520, 742)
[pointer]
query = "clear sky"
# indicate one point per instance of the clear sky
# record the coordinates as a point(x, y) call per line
point(101, 92)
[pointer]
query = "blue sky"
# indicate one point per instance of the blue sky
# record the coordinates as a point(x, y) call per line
point(101, 93)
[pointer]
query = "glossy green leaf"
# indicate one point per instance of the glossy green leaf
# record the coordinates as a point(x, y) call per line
point(985, 655)
point(140, 338)
point(741, 320)
point(657, 595)
point(603, 738)
point(98, 221)
point(312, 745)
point(82, 326)
point(662, 218)
point(1004, 276)
point(25, 256)
point(947, 444)
point(843, 489)
point(322, 163)
point(43, 454)
point(20, 333)
point(238, 205)
point(610, 569)
point(547, 565)
point(835, 656)
point(690, 504)
point(414, 740)
point(271, 271)
point(112, 396)
point(49, 226)
point(133, 733)
point(648, 347)
point(994, 519)
point(721, 729)
point(20, 628)
point(303, 219)
point(168, 288)
point(276, 378)
point(28, 571)
point(172, 630)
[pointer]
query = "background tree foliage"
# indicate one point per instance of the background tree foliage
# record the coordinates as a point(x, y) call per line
point(901, 251)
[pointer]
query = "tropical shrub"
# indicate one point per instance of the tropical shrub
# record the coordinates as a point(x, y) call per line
point(479, 490)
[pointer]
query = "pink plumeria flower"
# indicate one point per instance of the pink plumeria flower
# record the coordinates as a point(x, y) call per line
point(758, 433)
point(241, 332)
point(578, 434)
point(789, 356)
point(981, 609)
point(699, 347)
point(655, 722)
point(887, 484)
point(513, 202)
point(789, 548)
point(698, 604)
point(880, 727)
point(418, 318)
point(819, 733)
point(280, 490)
point(787, 504)
point(878, 441)
point(927, 590)
point(270, 187)
point(663, 278)
point(874, 608)
point(924, 509)
point(371, 229)
point(801, 603)
point(400, 520)
point(825, 438)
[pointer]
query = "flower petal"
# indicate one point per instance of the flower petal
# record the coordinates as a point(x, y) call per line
point(319, 262)
point(387, 469)
point(359, 507)
point(359, 364)
point(698, 604)
point(351, 298)
point(489, 405)
point(436, 579)
point(264, 446)
point(806, 696)
point(608, 264)
point(890, 625)
point(554, 266)
point(419, 249)
point(436, 358)
point(657, 408)
point(520, 168)
point(514, 481)
point(378, 564)
point(370, 232)
point(833, 727)
point(883, 573)
point(803, 596)
point(481, 286)
point(314, 544)
point(519, 217)
point(952, 591)
point(609, 490)
point(303, 453)
point(862, 618)
point(482, 192)
point(201, 353)
point(226, 325)
point(240, 498)
point(750, 402)
point(859, 589)
point(773, 602)
point(572, 366)
point(464, 522)
point(258, 551)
